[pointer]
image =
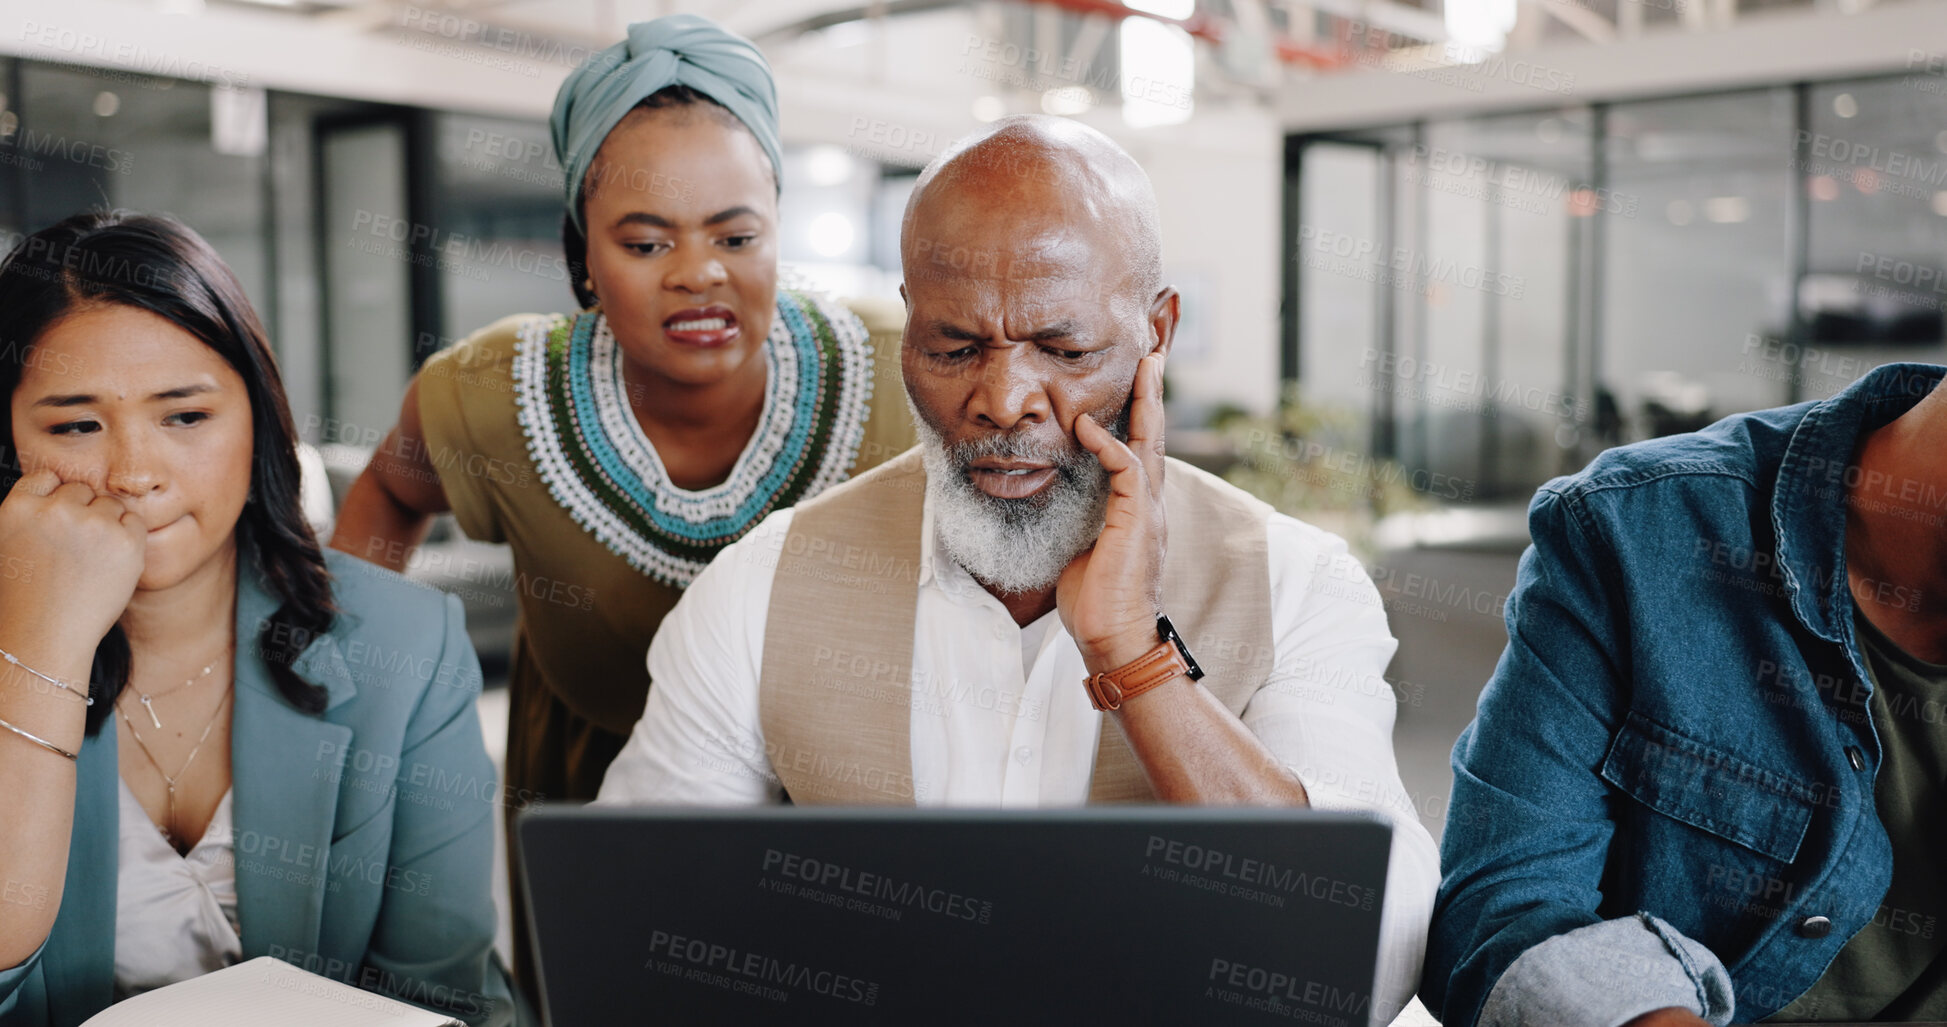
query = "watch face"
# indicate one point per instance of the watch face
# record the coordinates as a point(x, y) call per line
point(1168, 632)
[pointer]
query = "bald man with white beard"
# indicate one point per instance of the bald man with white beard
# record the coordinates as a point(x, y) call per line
point(1005, 615)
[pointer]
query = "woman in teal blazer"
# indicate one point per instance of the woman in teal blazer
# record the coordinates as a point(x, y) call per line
point(160, 492)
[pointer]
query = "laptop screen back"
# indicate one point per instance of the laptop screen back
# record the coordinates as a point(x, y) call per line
point(1107, 914)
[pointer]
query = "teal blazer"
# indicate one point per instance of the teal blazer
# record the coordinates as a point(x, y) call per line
point(364, 836)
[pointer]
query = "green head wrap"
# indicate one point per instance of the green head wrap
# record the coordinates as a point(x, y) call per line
point(680, 50)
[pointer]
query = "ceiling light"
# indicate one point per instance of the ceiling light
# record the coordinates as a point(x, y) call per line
point(1178, 9)
point(1067, 101)
point(1727, 210)
point(239, 121)
point(846, 33)
point(827, 165)
point(1159, 73)
point(832, 234)
point(1845, 106)
point(1479, 24)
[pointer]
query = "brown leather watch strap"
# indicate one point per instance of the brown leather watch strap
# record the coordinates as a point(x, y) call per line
point(1111, 688)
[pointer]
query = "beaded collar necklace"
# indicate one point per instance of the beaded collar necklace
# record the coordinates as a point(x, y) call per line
point(599, 466)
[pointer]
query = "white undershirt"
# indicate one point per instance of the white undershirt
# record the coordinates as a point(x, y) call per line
point(1000, 718)
point(1032, 636)
point(175, 915)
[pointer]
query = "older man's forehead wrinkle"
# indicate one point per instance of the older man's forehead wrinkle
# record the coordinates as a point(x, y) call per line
point(963, 258)
point(1064, 245)
point(1035, 199)
point(1063, 297)
point(968, 240)
point(1012, 316)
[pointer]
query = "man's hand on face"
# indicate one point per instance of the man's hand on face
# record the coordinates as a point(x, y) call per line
point(1110, 595)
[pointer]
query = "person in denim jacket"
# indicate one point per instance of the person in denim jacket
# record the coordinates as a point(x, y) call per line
point(1698, 783)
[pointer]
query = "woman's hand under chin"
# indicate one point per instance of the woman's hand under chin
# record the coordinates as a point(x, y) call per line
point(69, 561)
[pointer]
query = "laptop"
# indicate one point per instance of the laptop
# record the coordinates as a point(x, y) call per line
point(799, 915)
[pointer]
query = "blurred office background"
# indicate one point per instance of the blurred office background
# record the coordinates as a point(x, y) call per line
point(1432, 253)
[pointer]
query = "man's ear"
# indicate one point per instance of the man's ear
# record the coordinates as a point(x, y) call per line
point(1164, 313)
point(903, 298)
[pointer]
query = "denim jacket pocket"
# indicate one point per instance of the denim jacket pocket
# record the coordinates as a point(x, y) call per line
point(1709, 789)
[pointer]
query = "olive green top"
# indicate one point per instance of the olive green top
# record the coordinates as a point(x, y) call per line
point(1892, 969)
point(587, 613)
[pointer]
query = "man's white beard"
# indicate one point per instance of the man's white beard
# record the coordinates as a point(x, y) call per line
point(1013, 545)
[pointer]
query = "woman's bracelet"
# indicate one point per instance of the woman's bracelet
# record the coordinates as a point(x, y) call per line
point(38, 740)
point(15, 660)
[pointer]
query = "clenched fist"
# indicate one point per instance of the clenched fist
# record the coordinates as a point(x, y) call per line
point(84, 552)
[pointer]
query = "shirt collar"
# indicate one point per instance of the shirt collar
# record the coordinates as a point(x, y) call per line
point(936, 565)
point(1808, 509)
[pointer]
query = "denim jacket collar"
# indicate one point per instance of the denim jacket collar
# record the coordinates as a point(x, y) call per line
point(1808, 510)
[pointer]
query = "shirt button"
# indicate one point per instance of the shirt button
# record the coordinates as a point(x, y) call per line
point(1855, 757)
point(1814, 927)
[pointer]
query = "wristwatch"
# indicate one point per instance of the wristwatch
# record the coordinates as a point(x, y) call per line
point(1111, 688)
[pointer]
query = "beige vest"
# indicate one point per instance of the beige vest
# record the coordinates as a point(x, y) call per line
point(835, 691)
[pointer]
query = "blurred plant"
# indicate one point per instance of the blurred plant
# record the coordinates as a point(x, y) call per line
point(1312, 462)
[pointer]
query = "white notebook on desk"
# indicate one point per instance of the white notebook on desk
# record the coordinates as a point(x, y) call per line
point(264, 990)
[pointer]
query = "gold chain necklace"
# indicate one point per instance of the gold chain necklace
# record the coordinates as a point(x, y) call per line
point(169, 779)
point(147, 698)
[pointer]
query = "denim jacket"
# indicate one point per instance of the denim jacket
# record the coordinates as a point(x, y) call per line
point(1666, 795)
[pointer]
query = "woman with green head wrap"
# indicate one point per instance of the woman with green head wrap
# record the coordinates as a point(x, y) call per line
point(618, 449)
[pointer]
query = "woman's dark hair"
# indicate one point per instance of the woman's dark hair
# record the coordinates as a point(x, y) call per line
point(157, 264)
point(574, 244)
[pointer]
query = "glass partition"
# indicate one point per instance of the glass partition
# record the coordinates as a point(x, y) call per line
point(87, 138)
point(1503, 297)
point(1706, 262)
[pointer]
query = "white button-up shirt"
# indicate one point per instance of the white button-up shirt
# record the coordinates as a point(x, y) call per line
point(1000, 718)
